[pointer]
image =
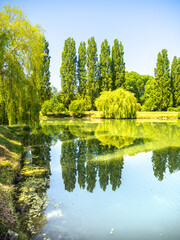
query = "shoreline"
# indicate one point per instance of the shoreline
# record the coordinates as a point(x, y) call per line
point(98, 115)
point(11, 158)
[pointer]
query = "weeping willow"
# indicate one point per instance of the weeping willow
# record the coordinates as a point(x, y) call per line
point(21, 64)
point(117, 104)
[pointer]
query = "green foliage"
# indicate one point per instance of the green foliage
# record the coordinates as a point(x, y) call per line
point(81, 69)
point(21, 68)
point(52, 106)
point(163, 95)
point(105, 67)
point(68, 71)
point(79, 106)
point(150, 96)
point(45, 89)
point(32, 200)
point(118, 65)
point(92, 58)
point(175, 81)
point(117, 104)
point(135, 83)
point(173, 109)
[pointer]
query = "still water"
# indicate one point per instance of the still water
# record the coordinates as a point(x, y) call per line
point(103, 179)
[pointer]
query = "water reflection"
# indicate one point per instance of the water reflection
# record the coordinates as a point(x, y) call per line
point(100, 156)
point(91, 153)
point(163, 159)
point(76, 162)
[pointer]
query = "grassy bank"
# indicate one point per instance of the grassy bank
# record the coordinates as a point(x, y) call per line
point(157, 115)
point(10, 153)
point(139, 115)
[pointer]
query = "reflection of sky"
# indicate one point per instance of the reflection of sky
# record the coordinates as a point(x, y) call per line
point(142, 208)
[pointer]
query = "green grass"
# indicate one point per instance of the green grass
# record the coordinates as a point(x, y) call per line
point(157, 115)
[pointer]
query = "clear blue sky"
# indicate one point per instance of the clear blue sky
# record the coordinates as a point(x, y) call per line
point(144, 27)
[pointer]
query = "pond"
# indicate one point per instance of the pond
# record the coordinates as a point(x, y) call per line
point(101, 179)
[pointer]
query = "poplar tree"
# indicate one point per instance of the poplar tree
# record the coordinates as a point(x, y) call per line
point(175, 81)
point(45, 90)
point(68, 72)
point(92, 59)
point(105, 67)
point(118, 65)
point(81, 69)
point(163, 93)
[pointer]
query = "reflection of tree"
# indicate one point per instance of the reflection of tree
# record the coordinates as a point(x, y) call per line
point(77, 158)
point(118, 133)
point(68, 163)
point(81, 168)
point(159, 160)
point(103, 168)
point(91, 172)
point(165, 158)
point(115, 173)
point(174, 159)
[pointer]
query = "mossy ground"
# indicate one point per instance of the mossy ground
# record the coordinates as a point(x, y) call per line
point(10, 152)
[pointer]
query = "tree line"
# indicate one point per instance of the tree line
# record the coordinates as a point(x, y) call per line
point(84, 76)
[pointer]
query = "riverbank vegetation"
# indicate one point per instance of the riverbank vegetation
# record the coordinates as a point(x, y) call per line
point(117, 104)
point(10, 154)
point(24, 68)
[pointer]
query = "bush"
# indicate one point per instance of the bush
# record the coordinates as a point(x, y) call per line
point(117, 104)
point(78, 106)
point(46, 107)
point(138, 107)
point(52, 106)
point(173, 109)
point(59, 107)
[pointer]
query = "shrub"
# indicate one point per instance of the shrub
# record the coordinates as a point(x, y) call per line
point(117, 104)
point(77, 107)
point(59, 107)
point(47, 106)
point(174, 109)
point(52, 106)
point(138, 107)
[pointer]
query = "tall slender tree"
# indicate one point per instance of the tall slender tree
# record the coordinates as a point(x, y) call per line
point(175, 81)
point(163, 82)
point(81, 69)
point(68, 71)
point(92, 59)
point(118, 65)
point(105, 67)
point(45, 90)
